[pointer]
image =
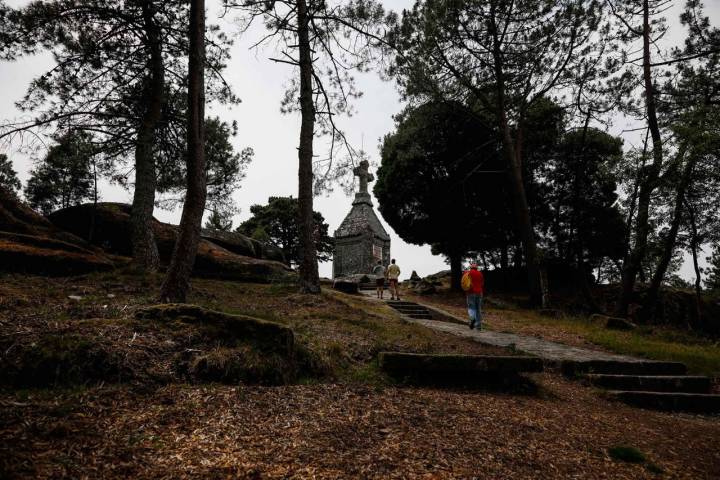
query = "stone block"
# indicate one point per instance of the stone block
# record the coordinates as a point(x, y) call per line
point(675, 402)
point(223, 324)
point(615, 323)
point(551, 312)
point(408, 363)
point(618, 367)
point(346, 286)
point(651, 383)
point(475, 371)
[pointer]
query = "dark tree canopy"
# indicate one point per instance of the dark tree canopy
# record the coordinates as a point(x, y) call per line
point(502, 57)
point(442, 182)
point(225, 170)
point(712, 282)
point(277, 222)
point(582, 196)
point(64, 177)
point(219, 220)
point(8, 175)
point(121, 74)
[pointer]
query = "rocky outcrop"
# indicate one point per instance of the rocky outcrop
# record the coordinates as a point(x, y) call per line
point(240, 244)
point(424, 287)
point(246, 349)
point(46, 256)
point(16, 217)
point(224, 257)
point(29, 243)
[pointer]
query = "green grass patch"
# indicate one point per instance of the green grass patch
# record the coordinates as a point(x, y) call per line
point(703, 359)
point(626, 454)
point(700, 355)
point(652, 468)
point(368, 373)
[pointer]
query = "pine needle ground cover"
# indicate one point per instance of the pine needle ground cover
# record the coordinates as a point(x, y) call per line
point(137, 414)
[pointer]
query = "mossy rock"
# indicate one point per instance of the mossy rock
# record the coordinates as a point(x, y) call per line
point(225, 327)
point(346, 286)
point(244, 365)
point(615, 323)
point(17, 217)
point(20, 253)
point(57, 360)
point(236, 349)
point(112, 233)
point(474, 371)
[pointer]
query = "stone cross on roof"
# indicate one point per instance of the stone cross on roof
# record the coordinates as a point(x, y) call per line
point(361, 171)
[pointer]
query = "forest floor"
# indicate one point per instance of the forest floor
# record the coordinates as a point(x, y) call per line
point(349, 422)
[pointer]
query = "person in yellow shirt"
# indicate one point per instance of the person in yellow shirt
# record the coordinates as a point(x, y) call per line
point(393, 273)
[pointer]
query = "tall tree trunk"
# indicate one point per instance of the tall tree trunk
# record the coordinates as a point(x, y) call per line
point(633, 203)
point(576, 236)
point(177, 282)
point(91, 233)
point(517, 256)
point(694, 249)
point(145, 252)
point(522, 217)
point(642, 228)
point(513, 153)
point(455, 271)
point(309, 278)
point(504, 257)
point(671, 239)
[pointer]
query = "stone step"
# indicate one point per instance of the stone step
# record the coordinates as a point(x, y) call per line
point(619, 367)
point(670, 401)
point(651, 383)
point(409, 309)
point(401, 303)
point(419, 316)
point(401, 364)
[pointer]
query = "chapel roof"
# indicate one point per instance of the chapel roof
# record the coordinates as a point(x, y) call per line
point(360, 219)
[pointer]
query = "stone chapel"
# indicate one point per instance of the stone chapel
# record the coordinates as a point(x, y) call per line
point(361, 240)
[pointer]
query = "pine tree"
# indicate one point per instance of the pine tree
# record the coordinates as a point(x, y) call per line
point(64, 177)
point(120, 72)
point(712, 279)
point(324, 42)
point(8, 175)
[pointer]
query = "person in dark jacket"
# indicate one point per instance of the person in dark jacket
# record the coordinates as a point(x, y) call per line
point(475, 296)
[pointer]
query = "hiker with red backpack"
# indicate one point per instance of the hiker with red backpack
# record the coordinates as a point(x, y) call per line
point(473, 283)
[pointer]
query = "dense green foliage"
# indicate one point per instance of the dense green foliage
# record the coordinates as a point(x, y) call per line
point(438, 182)
point(225, 171)
point(64, 177)
point(712, 282)
point(8, 175)
point(277, 222)
point(443, 182)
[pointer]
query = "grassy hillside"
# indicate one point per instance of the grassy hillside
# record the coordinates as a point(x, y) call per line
point(94, 390)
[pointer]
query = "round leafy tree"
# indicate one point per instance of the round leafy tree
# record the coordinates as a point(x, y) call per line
point(443, 183)
point(277, 222)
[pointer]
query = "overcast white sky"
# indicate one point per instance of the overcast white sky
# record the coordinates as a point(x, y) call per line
point(274, 136)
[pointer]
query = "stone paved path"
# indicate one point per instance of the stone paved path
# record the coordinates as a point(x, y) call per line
point(551, 352)
point(545, 349)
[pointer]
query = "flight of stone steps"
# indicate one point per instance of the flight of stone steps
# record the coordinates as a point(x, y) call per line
point(642, 383)
point(648, 384)
point(410, 309)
